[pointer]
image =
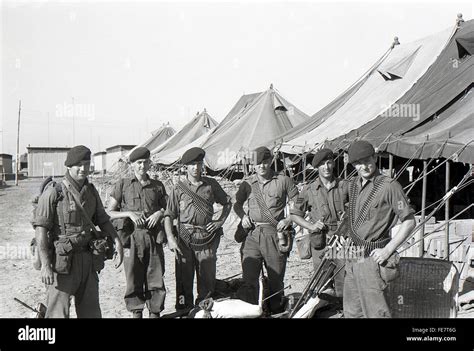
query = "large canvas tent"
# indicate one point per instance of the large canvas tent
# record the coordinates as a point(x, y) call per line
point(194, 129)
point(443, 98)
point(263, 118)
point(391, 77)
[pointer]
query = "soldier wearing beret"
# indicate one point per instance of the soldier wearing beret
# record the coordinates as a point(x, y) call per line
point(376, 203)
point(267, 194)
point(324, 199)
point(72, 270)
point(190, 203)
point(138, 204)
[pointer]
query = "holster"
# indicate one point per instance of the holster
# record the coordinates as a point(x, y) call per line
point(124, 228)
point(389, 269)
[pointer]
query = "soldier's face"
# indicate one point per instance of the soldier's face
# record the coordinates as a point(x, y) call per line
point(194, 169)
point(366, 167)
point(141, 166)
point(326, 168)
point(80, 171)
point(264, 168)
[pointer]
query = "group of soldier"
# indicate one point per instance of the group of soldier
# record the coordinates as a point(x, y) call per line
point(142, 217)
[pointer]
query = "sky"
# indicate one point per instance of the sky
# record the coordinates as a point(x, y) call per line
point(105, 73)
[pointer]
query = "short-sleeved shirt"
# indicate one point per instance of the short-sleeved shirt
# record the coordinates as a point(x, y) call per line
point(276, 191)
point(50, 202)
point(131, 195)
point(181, 204)
point(387, 207)
point(322, 203)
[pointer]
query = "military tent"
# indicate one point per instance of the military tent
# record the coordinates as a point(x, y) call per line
point(391, 77)
point(194, 129)
point(435, 117)
point(262, 118)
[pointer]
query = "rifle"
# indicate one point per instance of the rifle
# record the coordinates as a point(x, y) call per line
point(318, 279)
point(40, 309)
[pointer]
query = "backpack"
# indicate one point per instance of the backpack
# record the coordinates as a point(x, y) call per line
point(33, 245)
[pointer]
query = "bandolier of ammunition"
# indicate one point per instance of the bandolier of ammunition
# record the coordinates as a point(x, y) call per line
point(355, 223)
point(205, 209)
point(262, 205)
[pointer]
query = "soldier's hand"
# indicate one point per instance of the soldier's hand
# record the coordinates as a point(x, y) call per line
point(118, 253)
point(154, 219)
point(380, 255)
point(173, 246)
point(47, 276)
point(282, 224)
point(213, 226)
point(318, 226)
point(138, 219)
point(246, 222)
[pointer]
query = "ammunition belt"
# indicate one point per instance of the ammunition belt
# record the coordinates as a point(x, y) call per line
point(186, 233)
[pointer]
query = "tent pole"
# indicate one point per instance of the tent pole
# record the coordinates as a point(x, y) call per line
point(390, 165)
point(423, 206)
point(346, 159)
point(245, 167)
point(446, 209)
point(304, 168)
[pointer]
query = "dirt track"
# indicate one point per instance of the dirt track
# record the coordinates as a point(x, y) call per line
point(19, 279)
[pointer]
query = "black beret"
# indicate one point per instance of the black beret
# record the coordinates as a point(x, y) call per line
point(261, 154)
point(322, 155)
point(139, 153)
point(360, 149)
point(77, 154)
point(194, 154)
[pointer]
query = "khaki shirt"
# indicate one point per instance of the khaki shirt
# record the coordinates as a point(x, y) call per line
point(181, 204)
point(133, 196)
point(323, 204)
point(48, 207)
point(390, 205)
point(276, 191)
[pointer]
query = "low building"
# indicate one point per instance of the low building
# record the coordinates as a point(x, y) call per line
point(6, 164)
point(46, 161)
point(115, 156)
point(100, 162)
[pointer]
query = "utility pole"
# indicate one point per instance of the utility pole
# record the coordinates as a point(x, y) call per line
point(48, 130)
point(17, 163)
point(73, 124)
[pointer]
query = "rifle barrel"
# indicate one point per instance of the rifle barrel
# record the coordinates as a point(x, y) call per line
point(25, 305)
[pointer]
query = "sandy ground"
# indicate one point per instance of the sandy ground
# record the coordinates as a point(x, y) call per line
point(19, 279)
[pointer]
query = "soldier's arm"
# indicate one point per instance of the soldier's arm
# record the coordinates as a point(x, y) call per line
point(171, 213)
point(44, 220)
point(113, 208)
point(223, 199)
point(41, 235)
point(399, 203)
point(156, 217)
point(292, 195)
point(240, 197)
point(299, 208)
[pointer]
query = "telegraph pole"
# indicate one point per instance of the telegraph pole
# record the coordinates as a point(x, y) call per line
point(73, 124)
point(17, 163)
